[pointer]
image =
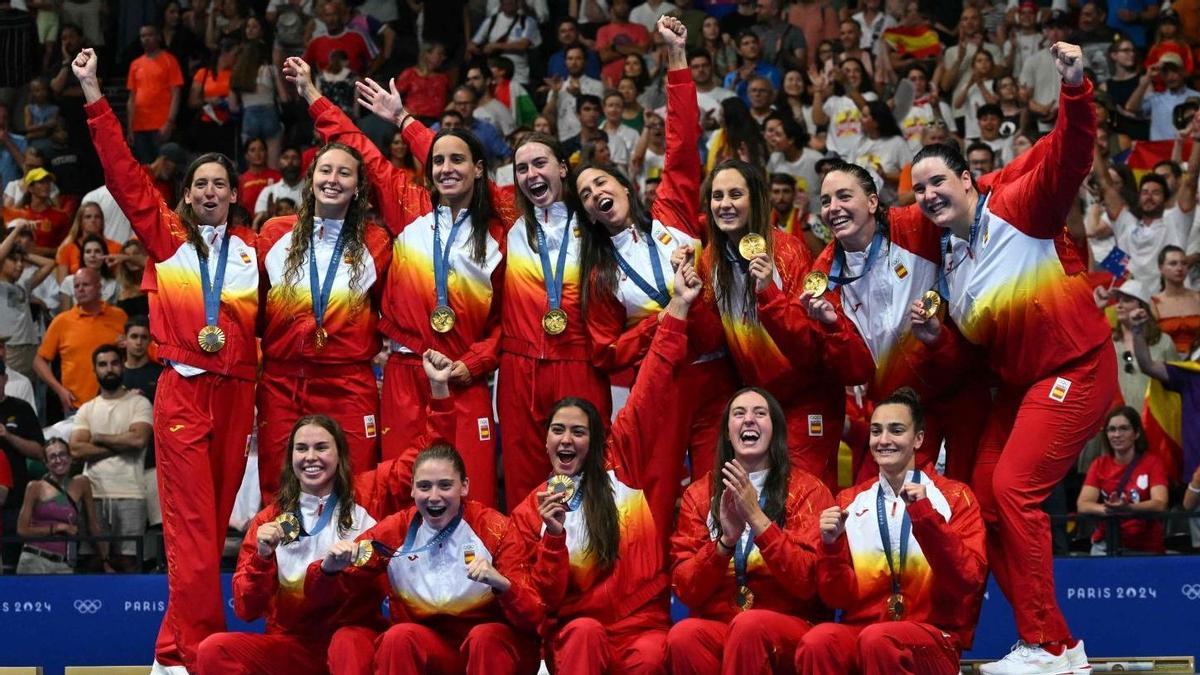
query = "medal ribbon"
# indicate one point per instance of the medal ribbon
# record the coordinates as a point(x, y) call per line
point(554, 280)
point(745, 544)
point(441, 258)
point(836, 272)
point(905, 529)
point(577, 498)
point(321, 292)
point(658, 292)
point(322, 520)
point(438, 539)
point(946, 268)
point(212, 290)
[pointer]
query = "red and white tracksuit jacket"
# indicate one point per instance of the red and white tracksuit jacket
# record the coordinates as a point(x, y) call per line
point(387, 488)
point(627, 603)
point(299, 379)
point(473, 288)
point(804, 363)
point(204, 410)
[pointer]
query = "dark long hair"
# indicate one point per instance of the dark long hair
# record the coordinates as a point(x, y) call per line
point(741, 130)
point(187, 215)
point(288, 496)
point(596, 251)
point(1140, 445)
point(599, 506)
point(776, 486)
point(865, 86)
point(759, 223)
point(354, 227)
point(105, 271)
point(864, 180)
point(885, 121)
point(523, 203)
point(481, 196)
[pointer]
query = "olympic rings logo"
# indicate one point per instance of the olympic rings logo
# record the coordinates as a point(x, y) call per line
point(88, 606)
point(1190, 591)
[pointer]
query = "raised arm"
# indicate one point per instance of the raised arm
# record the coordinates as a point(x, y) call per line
point(1141, 350)
point(678, 202)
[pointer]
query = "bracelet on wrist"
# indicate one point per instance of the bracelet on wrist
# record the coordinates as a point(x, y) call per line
point(1193, 489)
point(725, 548)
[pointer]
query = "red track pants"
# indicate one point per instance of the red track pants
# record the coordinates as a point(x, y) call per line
point(202, 427)
point(526, 391)
point(1032, 439)
point(288, 391)
point(257, 654)
point(414, 649)
point(635, 645)
point(406, 398)
point(817, 453)
point(756, 641)
point(705, 390)
point(889, 648)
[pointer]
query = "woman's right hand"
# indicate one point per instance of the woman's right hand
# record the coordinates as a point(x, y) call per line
point(832, 523)
point(732, 522)
point(299, 74)
point(680, 255)
point(386, 103)
point(84, 68)
point(924, 328)
point(553, 511)
point(339, 556)
point(762, 269)
point(268, 536)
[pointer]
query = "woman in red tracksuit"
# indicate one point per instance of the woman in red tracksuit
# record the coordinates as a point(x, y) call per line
point(804, 362)
point(456, 580)
point(902, 557)
point(625, 251)
point(593, 537)
point(418, 291)
point(203, 288)
point(744, 552)
point(882, 261)
point(1016, 291)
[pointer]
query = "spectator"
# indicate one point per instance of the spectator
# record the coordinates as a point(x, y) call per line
point(512, 94)
point(72, 337)
point(1012, 112)
point(12, 147)
point(1181, 378)
point(1125, 480)
point(1120, 85)
point(213, 103)
point(94, 257)
point(1025, 40)
point(955, 69)
point(509, 32)
point(568, 36)
point(1130, 297)
point(739, 136)
point(882, 148)
point(336, 83)
point(618, 39)
point(741, 19)
point(837, 102)
point(110, 437)
point(872, 21)
point(590, 15)
point(621, 138)
point(988, 118)
point(178, 39)
point(424, 87)
point(18, 34)
point(761, 96)
point(66, 162)
point(17, 327)
point(56, 505)
point(978, 91)
point(720, 50)
point(258, 174)
point(155, 84)
point(817, 19)
point(288, 187)
point(926, 107)
point(50, 223)
point(647, 13)
point(1130, 18)
point(1143, 231)
point(1176, 307)
point(89, 222)
point(226, 20)
point(912, 43)
point(561, 101)
point(140, 374)
point(116, 225)
point(18, 386)
point(488, 108)
point(338, 38)
point(1159, 106)
point(708, 94)
point(981, 159)
point(20, 439)
point(783, 43)
point(1093, 37)
point(650, 150)
point(790, 154)
point(129, 266)
point(750, 51)
point(1039, 79)
point(463, 102)
point(850, 37)
point(587, 111)
point(692, 19)
point(789, 210)
point(260, 90)
point(41, 114)
point(14, 192)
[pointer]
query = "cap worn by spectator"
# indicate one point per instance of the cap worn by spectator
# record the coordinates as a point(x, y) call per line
point(1028, 4)
point(1057, 19)
point(38, 173)
point(1135, 289)
point(1169, 59)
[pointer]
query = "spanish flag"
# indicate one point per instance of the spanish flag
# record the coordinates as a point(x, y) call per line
point(918, 42)
point(1163, 419)
point(1145, 154)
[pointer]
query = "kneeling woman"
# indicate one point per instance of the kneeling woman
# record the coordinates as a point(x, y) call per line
point(903, 558)
point(460, 599)
point(744, 553)
point(593, 539)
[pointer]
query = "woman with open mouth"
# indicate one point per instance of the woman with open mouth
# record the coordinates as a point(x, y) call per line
point(791, 342)
point(593, 539)
point(202, 277)
point(625, 250)
point(883, 260)
point(446, 268)
point(743, 555)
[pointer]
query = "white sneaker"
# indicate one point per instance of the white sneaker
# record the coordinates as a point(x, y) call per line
point(159, 669)
point(1026, 659)
point(1079, 660)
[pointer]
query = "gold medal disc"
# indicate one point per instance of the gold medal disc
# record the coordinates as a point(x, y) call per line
point(560, 484)
point(554, 322)
point(745, 598)
point(442, 319)
point(290, 524)
point(895, 607)
point(364, 554)
point(931, 302)
point(320, 338)
point(752, 245)
point(816, 283)
point(211, 339)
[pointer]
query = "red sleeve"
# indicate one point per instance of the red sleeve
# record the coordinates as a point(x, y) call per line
point(943, 364)
point(359, 584)
point(955, 550)
point(837, 584)
point(483, 356)
point(838, 347)
point(1157, 472)
point(613, 346)
point(697, 564)
point(1038, 200)
point(1093, 473)
point(387, 488)
point(546, 554)
point(521, 604)
point(256, 581)
point(678, 201)
point(6, 479)
point(790, 553)
point(909, 229)
point(420, 140)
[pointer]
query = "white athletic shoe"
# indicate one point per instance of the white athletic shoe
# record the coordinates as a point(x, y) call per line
point(1027, 659)
point(160, 669)
point(1079, 660)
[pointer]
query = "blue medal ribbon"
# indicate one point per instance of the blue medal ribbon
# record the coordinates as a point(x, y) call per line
point(658, 292)
point(438, 539)
point(552, 279)
point(212, 290)
point(441, 257)
point(741, 552)
point(837, 274)
point(321, 292)
point(946, 267)
point(323, 519)
point(896, 569)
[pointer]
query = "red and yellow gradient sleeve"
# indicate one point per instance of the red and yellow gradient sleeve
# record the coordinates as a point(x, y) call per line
point(699, 568)
point(837, 584)
point(678, 202)
point(387, 488)
point(616, 346)
point(255, 581)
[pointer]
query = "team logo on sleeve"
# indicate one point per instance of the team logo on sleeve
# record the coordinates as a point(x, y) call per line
point(369, 426)
point(901, 270)
point(665, 237)
point(1059, 391)
point(816, 425)
point(245, 257)
point(485, 429)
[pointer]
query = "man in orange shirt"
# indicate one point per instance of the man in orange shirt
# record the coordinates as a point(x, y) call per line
point(155, 84)
point(73, 336)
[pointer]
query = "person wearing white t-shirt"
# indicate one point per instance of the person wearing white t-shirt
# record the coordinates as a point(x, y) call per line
point(1144, 234)
point(1039, 79)
point(647, 13)
point(790, 153)
point(926, 108)
point(708, 94)
point(560, 104)
point(510, 33)
point(872, 20)
point(955, 68)
point(882, 147)
point(622, 139)
point(288, 188)
point(837, 104)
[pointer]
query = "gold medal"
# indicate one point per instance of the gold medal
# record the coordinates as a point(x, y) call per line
point(561, 485)
point(364, 553)
point(895, 606)
point(290, 524)
point(931, 302)
point(468, 554)
point(554, 322)
point(744, 598)
point(320, 338)
point(752, 245)
point(816, 283)
point(211, 339)
point(442, 319)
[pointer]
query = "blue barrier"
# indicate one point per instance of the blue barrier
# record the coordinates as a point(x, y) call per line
point(1121, 606)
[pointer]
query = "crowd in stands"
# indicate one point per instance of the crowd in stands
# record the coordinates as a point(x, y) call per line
point(786, 85)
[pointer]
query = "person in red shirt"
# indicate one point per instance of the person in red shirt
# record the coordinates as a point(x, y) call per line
point(1125, 480)
point(257, 175)
point(619, 38)
point(424, 87)
point(338, 38)
point(744, 553)
point(203, 285)
point(50, 223)
point(902, 558)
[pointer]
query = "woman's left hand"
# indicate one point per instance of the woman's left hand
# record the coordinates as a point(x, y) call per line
point(737, 481)
point(762, 268)
point(481, 570)
point(819, 308)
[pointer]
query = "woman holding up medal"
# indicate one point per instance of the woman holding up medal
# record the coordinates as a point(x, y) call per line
point(624, 251)
point(915, 610)
point(593, 539)
point(322, 273)
point(446, 273)
point(203, 285)
point(783, 336)
point(758, 512)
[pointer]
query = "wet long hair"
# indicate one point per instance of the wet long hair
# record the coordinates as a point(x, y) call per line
point(596, 253)
point(864, 180)
point(776, 486)
point(187, 215)
point(481, 205)
point(523, 204)
point(598, 504)
point(354, 228)
point(759, 223)
point(288, 497)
